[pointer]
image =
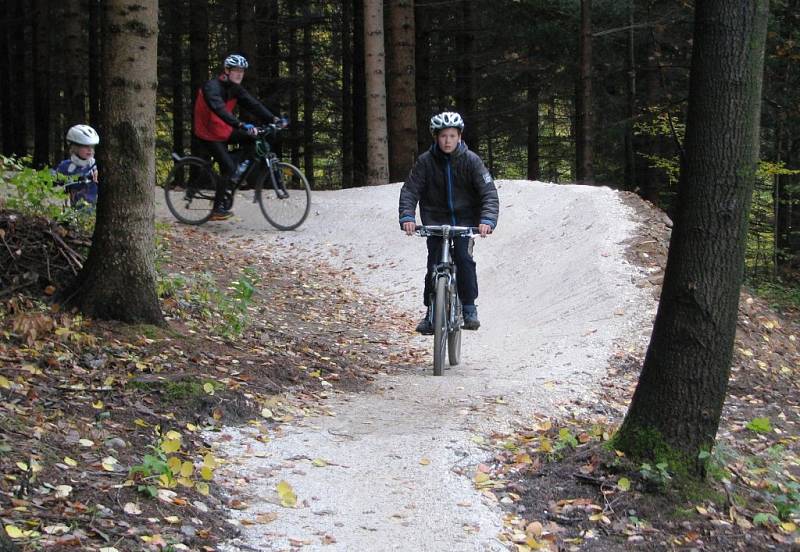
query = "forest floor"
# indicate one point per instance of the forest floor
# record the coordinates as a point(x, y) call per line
point(105, 445)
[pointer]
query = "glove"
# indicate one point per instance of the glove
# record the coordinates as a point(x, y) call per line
point(250, 129)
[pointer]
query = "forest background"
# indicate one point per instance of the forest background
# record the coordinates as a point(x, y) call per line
point(556, 90)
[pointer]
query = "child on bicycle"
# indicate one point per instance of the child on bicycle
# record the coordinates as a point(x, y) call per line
point(217, 126)
point(452, 186)
point(79, 171)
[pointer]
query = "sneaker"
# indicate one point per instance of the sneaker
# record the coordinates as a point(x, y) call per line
point(471, 321)
point(425, 326)
point(221, 214)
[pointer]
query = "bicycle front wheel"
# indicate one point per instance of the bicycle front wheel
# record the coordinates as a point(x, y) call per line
point(439, 326)
point(285, 198)
point(189, 190)
point(454, 335)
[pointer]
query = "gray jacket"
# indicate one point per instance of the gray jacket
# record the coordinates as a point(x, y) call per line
point(454, 189)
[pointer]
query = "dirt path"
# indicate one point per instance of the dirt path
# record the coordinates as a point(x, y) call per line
point(557, 299)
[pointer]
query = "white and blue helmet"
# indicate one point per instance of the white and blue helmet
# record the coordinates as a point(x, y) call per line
point(83, 135)
point(235, 61)
point(446, 119)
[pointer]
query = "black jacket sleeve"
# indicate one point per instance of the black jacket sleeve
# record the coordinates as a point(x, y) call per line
point(253, 106)
point(484, 183)
point(213, 94)
point(411, 192)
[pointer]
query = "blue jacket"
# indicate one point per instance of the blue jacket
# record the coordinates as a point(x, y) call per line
point(80, 185)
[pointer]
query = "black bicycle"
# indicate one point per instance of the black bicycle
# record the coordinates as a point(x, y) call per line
point(447, 313)
point(281, 189)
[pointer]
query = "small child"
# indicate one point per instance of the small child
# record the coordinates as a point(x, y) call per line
point(80, 169)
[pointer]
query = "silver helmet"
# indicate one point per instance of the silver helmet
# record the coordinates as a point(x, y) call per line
point(446, 119)
point(235, 61)
point(83, 135)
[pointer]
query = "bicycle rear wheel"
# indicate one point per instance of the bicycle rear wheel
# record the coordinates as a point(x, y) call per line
point(189, 190)
point(285, 199)
point(439, 325)
point(454, 336)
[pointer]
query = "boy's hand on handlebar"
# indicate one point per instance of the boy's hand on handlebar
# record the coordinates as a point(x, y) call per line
point(484, 230)
point(409, 227)
point(250, 129)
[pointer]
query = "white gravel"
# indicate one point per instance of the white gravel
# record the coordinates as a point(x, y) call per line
point(556, 300)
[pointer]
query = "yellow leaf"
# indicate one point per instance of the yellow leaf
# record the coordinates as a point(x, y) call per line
point(108, 549)
point(624, 484)
point(319, 462)
point(23, 466)
point(209, 461)
point(208, 388)
point(187, 469)
point(139, 422)
point(86, 442)
point(191, 427)
point(174, 464)
point(172, 519)
point(545, 445)
point(266, 413)
point(97, 405)
point(173, 435)
point(789, 527)
point(109, 463)
point(62, 491)
point(286, 494)
point(206, 473)
point(171, 445)
point(14, 532)
point(202, 488)
point(186, 482)
point(424, 461)
point(70, 462)
point(5, 384)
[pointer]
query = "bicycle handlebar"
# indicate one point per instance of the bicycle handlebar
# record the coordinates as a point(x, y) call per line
point(436, 230)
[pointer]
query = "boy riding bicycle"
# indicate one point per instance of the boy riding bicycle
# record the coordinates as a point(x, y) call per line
point(452, 186)
point(217, 126)
point(79, 170)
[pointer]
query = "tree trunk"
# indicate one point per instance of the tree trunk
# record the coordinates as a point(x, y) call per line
point(294, 102)
point(464, 92)
point(75, 45)
point(95, 56)
point(308, 104)
point(177, 9)
point(198, 57)
point(377, 139)
point(119, 281)
point(675, 411)
point(584, 139)
point(630, 155)
point(423, 73)
point(6, 119)
point(246, 27)
point(347, 93)
point(41, 83)
point(19, 94)
point(403, 102)
point(359, 97)
point(534, 171)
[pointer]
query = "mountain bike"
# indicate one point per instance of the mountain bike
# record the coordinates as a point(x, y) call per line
point(281, 189)
point(447, 312)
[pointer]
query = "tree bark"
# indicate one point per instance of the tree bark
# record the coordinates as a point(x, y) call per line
point(308, 103)
point(359, 97)
point(6, 117)
point(118, 280)
point(198, 56)
point(41, 84)
point(534, 170)
point(465, 79)
point(377, 136)
point(584, 131)
point(403, 102)
point(175, 26)
point(19, 92)
point(347, 93)
point(95, 57)
point(75, 44)
point(630, 153)
point(675, 411)
point(294, 101)
point(423, 74)
point(246, 27)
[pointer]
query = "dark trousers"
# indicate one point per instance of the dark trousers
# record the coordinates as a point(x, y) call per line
point(467, 277)
point(227, 163)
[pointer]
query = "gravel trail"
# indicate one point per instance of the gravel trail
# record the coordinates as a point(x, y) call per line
point(556, 300)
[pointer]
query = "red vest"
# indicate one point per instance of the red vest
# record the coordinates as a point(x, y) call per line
point(207, 124)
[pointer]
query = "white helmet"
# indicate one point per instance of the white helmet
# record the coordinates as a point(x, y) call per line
point(83, 135)
point(446, 119)
point(235, 60)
